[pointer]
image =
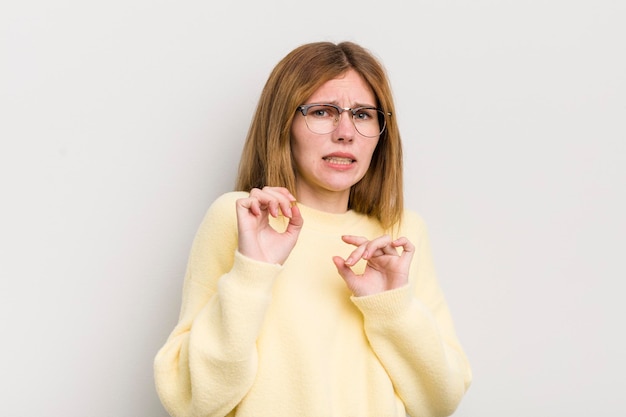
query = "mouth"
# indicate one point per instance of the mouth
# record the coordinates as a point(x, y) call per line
point(336, 160)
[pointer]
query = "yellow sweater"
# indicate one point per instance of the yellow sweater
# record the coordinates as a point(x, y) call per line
point(256, 339)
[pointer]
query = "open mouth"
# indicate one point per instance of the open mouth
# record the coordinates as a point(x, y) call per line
point(338, 161)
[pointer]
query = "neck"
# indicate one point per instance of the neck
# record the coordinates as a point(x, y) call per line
point(330, 202)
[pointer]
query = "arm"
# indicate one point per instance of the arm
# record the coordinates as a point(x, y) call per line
point(209, 361)
point(410, 330)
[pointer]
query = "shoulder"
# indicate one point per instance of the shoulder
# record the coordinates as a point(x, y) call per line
point(412, 224)
point(215, 241)
point(226, 202)
point(221, 216)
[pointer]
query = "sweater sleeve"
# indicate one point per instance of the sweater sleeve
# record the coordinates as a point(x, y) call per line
point(209, 361)
point(411, 331)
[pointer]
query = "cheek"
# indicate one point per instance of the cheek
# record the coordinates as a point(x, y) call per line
point(298, 129)
point(302, 158)
point(297, 153)
point(298, 141)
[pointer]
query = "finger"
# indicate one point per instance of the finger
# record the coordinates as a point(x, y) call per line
point(282, 190)
point(408, 249)
point(379, 246)
point(283, 198)
point(274, 201)
point(354, 240)
point(356, 255)
point(404, 243)
point(250, 205)
point(366, 249)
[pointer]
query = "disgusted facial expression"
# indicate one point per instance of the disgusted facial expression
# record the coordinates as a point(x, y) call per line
point(328, 165)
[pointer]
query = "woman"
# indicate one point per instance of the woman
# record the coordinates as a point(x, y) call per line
point(311, 291)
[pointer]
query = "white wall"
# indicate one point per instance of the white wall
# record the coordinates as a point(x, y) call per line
point(121, 121)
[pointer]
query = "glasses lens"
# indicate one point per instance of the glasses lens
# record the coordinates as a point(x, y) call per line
point(369, 121)
point(323, 119)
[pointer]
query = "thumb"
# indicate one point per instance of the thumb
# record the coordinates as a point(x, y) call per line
point(344, 270)
point(295, 221)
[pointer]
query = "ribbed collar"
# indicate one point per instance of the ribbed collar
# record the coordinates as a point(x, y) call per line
point(330, 222)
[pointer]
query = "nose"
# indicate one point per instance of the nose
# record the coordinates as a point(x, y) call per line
point(345, 128)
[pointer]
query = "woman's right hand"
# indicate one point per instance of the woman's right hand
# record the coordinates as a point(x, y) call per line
point(257, 238)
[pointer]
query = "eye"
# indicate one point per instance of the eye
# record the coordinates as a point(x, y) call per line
point(323, 112)
point(365, 114)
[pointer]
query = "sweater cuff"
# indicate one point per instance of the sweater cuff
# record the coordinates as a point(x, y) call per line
point(385, 305)
point(252, 275)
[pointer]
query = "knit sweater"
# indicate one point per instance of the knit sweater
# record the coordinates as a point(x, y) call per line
point(257, 339)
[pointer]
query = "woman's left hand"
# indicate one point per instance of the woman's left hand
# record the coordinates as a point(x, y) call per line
point(386, 268)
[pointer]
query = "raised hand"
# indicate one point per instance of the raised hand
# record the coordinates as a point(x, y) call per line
point(257, 238)
point(386, 268)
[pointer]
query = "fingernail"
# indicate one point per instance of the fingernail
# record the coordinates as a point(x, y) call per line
point(349, 261)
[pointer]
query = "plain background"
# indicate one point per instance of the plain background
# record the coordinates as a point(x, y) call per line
point(121, 121)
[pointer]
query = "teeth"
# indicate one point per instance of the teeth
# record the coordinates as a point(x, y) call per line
point(336, 160)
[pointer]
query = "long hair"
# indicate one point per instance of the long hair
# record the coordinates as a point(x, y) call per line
point(267, 159)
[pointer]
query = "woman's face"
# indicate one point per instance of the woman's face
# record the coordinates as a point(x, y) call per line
point(328, 165)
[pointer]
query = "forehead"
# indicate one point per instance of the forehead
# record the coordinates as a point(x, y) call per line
point(346, 90)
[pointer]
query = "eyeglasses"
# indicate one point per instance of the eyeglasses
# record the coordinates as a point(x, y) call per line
point(322, 119)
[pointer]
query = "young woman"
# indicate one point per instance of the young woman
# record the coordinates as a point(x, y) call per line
point(311, 290)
